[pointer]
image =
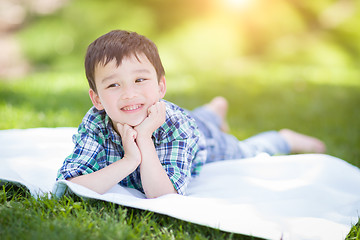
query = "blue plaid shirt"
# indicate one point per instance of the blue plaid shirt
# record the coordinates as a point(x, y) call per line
point(179, 144)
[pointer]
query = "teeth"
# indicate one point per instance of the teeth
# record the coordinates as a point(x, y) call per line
point(133, 107)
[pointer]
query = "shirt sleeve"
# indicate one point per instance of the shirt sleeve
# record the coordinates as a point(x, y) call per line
point(88, 156)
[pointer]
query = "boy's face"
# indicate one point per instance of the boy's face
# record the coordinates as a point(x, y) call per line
point(127, 91)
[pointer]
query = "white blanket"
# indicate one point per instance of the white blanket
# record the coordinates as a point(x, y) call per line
point(309, 196)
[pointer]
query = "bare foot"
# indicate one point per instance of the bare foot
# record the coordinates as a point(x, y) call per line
point(219, 106)
point(300, 143)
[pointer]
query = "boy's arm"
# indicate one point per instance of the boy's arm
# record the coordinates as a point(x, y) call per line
point(154, 178)
point(104, 179)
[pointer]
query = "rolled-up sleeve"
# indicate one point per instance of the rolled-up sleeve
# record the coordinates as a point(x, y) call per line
point(88, 156)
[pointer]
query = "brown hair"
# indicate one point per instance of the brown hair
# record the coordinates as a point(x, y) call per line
point(119, 44)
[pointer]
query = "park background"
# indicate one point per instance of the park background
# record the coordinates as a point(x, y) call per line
point(280, 63)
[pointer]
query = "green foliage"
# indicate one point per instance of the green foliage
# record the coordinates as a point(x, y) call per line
point(354, 233)
point(193, 34)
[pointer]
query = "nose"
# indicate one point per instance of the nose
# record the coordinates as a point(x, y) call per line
point(128, 92)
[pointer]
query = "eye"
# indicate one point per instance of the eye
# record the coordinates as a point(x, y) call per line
point(139, 80)
point(113, 85)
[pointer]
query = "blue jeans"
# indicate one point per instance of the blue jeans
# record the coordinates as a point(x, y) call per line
point(223, 146)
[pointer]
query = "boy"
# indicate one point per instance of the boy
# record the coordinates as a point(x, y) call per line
point(133, 137)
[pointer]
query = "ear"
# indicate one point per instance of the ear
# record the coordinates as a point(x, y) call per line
point(95, 99)
point(162, 86)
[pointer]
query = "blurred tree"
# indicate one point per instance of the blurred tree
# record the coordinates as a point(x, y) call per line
point(14, 15)
point(203, 32)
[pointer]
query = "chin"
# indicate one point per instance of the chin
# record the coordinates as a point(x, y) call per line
point(132, 121)
point(135, 122)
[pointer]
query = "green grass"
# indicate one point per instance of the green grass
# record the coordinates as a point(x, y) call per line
point(319, 102)
point(24, 217)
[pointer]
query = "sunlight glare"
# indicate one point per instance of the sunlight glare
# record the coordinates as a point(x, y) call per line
point(239, 3)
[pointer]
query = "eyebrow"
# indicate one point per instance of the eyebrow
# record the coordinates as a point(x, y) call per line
point(141, 71)
point(108, 78)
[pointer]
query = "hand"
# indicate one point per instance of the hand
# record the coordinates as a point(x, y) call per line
point(156, 117)
point(128, 137)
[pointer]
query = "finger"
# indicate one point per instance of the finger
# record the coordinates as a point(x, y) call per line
point(122, 128)
point(129, 135)
point(152, 108)
point(119, 126)
point(162, 107)
point(132, 133)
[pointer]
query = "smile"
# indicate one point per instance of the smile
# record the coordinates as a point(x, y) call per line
point(132, 107)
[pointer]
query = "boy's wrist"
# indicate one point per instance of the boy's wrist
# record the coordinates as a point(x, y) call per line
point(145, 130)
point(132, 161)
point(141, 134)
point(144, 138)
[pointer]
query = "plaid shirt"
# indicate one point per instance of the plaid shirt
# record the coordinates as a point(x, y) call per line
point(179, 144)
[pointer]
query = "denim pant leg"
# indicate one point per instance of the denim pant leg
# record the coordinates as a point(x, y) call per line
point(219, 145)
point(270, 142)
point(223, 146)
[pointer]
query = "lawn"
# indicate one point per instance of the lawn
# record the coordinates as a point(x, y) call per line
point(319, 102)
